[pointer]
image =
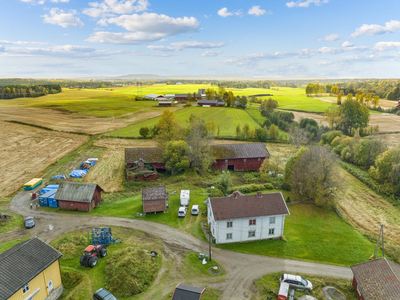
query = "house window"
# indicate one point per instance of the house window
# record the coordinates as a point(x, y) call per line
point(229, 224)
point(226, 160)
point(358, 290)
point(25, 289)
point(252, 233)
point(259, 159)
point(244, 160)
point(271, 231)
point(271, 220)
point(229, 236)
point(252, 222)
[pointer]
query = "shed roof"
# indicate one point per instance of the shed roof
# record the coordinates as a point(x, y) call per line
point(378, 279)
point(149, 155)
point(187, 292)
point(152, 96)
point(207, 101)
point(76, 191)
point(154, 193)
point(248, 150)
point(247, 206)
point(22, 263)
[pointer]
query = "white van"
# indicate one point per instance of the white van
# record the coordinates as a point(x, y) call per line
point(185, 197)
point(195, 210)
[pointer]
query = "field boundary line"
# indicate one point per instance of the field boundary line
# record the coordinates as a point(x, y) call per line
point(47, 128)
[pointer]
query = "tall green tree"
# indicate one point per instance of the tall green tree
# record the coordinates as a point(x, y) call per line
point(176, 156)
point(225, 182)
point(355, 116)
point(274, 132)
point(168, 128)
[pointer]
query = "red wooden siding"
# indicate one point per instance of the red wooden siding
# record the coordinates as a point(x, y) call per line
point(154, 205)
point(251, 164)
point(78, 206)
point(359, 297)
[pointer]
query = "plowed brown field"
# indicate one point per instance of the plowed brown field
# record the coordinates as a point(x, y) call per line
point(25, 152)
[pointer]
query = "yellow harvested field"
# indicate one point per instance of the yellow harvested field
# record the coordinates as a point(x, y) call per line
point(67, 122)
point(382, 102)
point(27, 151)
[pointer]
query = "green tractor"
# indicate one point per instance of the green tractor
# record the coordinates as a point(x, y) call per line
point(91, 255)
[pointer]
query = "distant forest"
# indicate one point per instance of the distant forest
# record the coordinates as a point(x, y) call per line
point(18, 91)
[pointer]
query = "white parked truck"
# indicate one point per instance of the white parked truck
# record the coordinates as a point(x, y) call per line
point(185, 197)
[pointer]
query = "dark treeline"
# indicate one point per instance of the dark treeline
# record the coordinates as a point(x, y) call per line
point(17, 91)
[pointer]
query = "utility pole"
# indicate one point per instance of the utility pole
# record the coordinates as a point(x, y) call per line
point(383, 243)
point(209, 241)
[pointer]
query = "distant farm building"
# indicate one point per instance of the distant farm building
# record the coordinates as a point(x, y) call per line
point(210, 103)
point(239, 157)
point(377, 279)
point(140, 171)
point(78, 196)
point(152, 156)
point(165, 103)
point(155, 97)
point(154, 199)
point(169, 96)
point(180, 97)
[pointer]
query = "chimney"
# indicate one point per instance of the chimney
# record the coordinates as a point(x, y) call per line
point(234, 195)
point(259, 195)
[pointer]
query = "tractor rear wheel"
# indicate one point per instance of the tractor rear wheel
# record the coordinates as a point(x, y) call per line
point(82, 260)
point(93, 261)
point(103, 252)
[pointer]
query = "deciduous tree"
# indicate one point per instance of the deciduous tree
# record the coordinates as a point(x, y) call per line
point(168, 128)
point(225, 182)
point(144, 131)
point(176, 156)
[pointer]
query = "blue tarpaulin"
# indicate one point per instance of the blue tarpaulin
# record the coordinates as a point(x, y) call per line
point(49, 188)
point(59, 177)
point(78, 173)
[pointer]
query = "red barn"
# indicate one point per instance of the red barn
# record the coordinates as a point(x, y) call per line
point(239, 157)
point(377, 279)
point(151, 156)
point(165, 103)
point(210, 103)
point(154, 199)
point(78, 196)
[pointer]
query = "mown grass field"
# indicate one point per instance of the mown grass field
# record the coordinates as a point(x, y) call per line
point(227, 119)
point(270, 282)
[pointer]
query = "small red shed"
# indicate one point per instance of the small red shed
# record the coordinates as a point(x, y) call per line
point(78, 196)
point(377, 279)
point(164, 103)
point(154, 199)
point(239, 157)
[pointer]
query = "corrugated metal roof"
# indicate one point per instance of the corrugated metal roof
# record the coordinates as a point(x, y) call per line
point(249, 150)
point(378, 279)
point(247, 206)
point(76, 191)
point(207, 101)
point(22, 263)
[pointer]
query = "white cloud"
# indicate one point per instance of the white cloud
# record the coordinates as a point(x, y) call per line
point(330, 38)
point(40, 2)
point(347, 44)
point(162, 48)
point(382, 46)
point(198, 45)
point(59, 1)
point(375, 29)
point(111, 7)
point(4, 42)
point(125, 38)
point(155, 24)
point(305, 3)
point(223, 12)
point(257, 11)
point(59, 17)
point(211, 53)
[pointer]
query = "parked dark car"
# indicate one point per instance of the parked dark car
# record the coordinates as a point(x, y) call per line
point(29, 222)
point(102, 294)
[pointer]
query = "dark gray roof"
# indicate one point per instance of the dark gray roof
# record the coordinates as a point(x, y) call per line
point(187, 292)
point(207, 101)
point(22, 263)
point(76, 191)
point(378, 279)
point(249, 150)
point(154, 193)
point(247, 206)
point(150, 155)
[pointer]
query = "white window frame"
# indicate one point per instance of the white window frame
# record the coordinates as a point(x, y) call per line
point(271, 231)
point(271, 220)
point(25, 289)
point(229, 236)
point(50, 284)
point(229, 224)
point(244, 160)
point(359, 290)
point(252, 233)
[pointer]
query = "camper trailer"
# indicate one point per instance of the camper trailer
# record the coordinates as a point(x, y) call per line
point(185, 197)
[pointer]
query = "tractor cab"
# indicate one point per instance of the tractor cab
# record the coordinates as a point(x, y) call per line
point(90, 257)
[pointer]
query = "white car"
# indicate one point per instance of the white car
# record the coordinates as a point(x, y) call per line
point(296, 282)
point(182, 212)
point(195, 210)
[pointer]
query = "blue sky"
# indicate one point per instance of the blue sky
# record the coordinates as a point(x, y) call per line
point(79, 38)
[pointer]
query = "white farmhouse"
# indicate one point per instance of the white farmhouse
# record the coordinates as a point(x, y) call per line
point(243, 218)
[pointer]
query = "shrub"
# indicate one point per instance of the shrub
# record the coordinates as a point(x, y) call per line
point(71, 246)
point(268, 186)
point(250, 177)
point(288, 199)
point(267, 123)
point(327, 138)
point(144, 131)
point(130, 271)
point(306, 122)
point(262, 134)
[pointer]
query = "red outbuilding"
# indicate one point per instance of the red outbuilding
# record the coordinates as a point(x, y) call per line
point(239, 157)
point(152, 156)
point(154, 199)
point(210, 103)
point(377, 279)
point(78, 196)
point(164, 103)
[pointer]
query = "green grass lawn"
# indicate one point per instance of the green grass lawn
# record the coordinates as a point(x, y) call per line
point(227, 119)
point(315, 234)
point(270, 282)
point(14, 223)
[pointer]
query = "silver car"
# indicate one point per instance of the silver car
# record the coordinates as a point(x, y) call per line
point(296, 282)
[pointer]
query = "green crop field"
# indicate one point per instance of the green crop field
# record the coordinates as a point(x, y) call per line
point(226, 118)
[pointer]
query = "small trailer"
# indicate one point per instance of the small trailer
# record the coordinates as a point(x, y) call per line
point(283, 291)
point(30, 185)
point(185, 197)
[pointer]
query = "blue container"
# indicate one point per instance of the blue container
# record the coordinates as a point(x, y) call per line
point(44, 199)
point(53, 202)
point(49, 188)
